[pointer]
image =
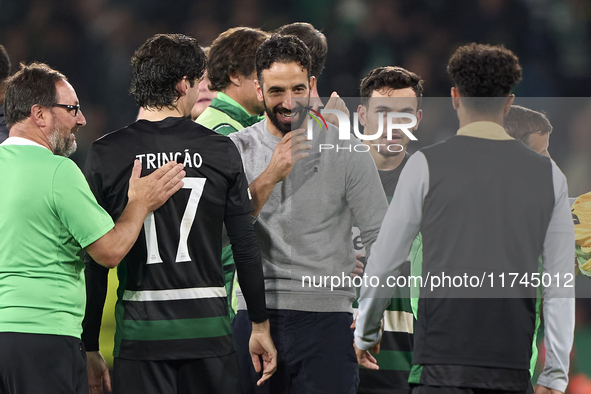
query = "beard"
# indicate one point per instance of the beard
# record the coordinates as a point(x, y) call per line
point(297, 113)
point(62, 139)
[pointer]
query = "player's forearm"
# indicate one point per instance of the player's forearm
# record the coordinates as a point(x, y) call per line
point(559, 303)
point(111, 248)
point(248, 265)
point(260, 190)
point(399, 228)
point(559, 322)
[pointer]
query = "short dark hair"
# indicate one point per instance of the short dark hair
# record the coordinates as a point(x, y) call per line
point(32, 84)
point(481, 70)
point(283, 49)
point(521, 122)
point(233, 52)
point(314, 40)
point(4, 64)
point(160, 63)
point(389, 78)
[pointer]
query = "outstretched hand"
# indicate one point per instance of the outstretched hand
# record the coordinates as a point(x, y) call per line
point(155, 189)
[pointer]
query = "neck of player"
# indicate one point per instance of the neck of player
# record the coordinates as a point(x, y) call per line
point(466, 118)
point(177, 110)
point(387, 163)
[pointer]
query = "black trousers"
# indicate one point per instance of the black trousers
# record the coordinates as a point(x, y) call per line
point(215, 375)
point(40, 363)
point(315, 353)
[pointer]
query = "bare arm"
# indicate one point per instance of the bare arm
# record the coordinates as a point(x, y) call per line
point(145, 195)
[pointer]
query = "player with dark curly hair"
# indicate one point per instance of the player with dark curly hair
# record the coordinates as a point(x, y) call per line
point(484, 75)
point(480, 190)
point(159, 64)
point(173, 331)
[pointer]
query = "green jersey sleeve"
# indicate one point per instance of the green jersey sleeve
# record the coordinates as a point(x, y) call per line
point(77, 207)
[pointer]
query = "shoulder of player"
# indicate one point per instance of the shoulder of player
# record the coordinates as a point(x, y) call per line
point(118, 136)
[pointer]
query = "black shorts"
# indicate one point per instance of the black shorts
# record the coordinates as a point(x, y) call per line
point(41, 363)
point(216, 375)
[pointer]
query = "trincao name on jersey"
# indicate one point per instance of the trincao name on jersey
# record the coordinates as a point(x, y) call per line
point(172, 302)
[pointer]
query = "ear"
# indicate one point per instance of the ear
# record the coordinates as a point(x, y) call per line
point(419, 116)
point(39, 115)
point(259, 90)
point(362, 114)
point(455, 98)
point(508, 103)
point(182, 86)
point(312, 83)
point(236, 79)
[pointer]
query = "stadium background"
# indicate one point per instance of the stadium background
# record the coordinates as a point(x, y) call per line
point(91, 42)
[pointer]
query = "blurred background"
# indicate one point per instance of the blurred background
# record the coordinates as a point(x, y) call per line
point(92, 41)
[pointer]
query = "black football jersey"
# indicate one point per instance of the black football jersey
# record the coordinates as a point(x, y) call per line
point(172, 302)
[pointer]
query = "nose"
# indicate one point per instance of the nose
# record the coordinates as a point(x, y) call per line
point(80, 119)
point(203, 85)
point(287, 101)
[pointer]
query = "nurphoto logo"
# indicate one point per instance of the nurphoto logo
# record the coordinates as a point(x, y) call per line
point(404, 122)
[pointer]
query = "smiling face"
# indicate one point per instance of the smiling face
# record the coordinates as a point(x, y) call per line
point(379, 104)
point(283, 83)
point(64, 124)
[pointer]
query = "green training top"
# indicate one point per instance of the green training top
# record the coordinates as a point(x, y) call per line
point(47, 215)
point(225, 116)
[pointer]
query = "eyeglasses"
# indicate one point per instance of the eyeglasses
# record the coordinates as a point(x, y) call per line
point(69, 107)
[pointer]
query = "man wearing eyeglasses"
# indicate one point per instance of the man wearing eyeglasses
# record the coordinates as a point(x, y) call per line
point(48, 215)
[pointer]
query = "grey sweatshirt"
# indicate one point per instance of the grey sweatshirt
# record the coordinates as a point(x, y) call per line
point(304, 228)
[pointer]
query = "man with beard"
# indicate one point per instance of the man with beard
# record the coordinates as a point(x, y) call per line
point(385, 90)
point(306, 200)
point(48, 214)
point(173, 330)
